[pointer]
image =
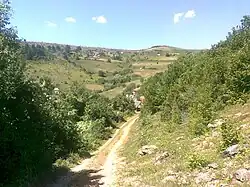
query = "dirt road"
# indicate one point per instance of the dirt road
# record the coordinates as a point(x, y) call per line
point(99, 169)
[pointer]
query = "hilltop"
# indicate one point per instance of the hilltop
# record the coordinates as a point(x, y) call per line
point(155, 47)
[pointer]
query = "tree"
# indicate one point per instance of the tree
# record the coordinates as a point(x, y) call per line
point(67, 49)
point(101, 73)
point(78, 49)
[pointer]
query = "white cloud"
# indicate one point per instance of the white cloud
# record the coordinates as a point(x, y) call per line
point(70, 20)
point(99, 19)
point(184, 15)
point(190, 14)
point(50, 24)
point(177, 17)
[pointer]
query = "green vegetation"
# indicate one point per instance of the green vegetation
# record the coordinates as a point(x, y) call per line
point(50, 118)
point(179, 105)
point(40, 124)
point(198, 85)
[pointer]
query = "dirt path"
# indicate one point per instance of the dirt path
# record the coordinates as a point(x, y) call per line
point(99, 169)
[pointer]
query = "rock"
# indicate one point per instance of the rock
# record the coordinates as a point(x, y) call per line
point(235, 182)
point(213, 183)
point(247, 166)
point(170, 172)
point(211, 144)
point(161, 158)
point(179, 138)
point(147, 150)
point(170, 178)
point(232, 150)
point(242, 175)
point(215, 134)
point(216, 123)
point(204, 177)
point(223, 185)
point(205, 145)
point(183, 180)
point(245, 126)
point(213, 165)
point(238, 114)
point(229, 164)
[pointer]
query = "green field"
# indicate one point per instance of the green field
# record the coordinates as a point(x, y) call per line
point(63, 74)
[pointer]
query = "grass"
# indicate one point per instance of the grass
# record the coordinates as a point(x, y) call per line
point(94, 86)
point(113, 92)
point(63, 73)
point(96, 65)
point(188, 155)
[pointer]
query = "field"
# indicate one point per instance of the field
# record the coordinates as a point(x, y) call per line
point(63, 74)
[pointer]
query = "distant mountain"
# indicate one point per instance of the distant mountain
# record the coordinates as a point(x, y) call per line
point(171, 49)
point(164, 48)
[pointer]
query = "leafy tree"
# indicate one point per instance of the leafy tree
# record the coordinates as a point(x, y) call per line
point(198, 85)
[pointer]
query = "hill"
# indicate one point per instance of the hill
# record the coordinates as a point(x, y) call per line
point(194, 125)
point(171, 49)
point(99, 69)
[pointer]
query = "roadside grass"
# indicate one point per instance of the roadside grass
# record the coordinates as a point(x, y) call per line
point(188, 155)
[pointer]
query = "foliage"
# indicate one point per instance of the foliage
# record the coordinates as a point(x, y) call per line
point(123, 104)
point(198, 85)
point(117, 79)
point(39, 126)
point(197, 161)
point(230, 135)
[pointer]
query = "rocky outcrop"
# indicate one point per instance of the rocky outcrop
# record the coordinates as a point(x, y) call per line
point(147, 150)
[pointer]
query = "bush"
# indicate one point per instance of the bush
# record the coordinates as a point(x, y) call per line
point(123, 104)
point(196, 161)
point(198, 85)
point(101, 73)
point(38, 126)
point(230, 135)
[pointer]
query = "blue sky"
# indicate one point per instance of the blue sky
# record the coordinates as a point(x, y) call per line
point(128, 24)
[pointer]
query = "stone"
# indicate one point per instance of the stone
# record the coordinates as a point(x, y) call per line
point(147, 150)
point(232, 150)
point(170, 178)
point(238, 114)
point(213, 183)
point(205, 145)
point(216, 123)
point(245, 126)
point(242, 175)
point(183, 180)
point(215, 134)
point(204, 177)
point(213, 165)
point(179, 138)
point(161, 158)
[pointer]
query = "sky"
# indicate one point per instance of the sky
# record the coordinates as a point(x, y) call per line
point(128, 24)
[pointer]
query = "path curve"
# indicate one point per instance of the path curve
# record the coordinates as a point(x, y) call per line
point(98, 170)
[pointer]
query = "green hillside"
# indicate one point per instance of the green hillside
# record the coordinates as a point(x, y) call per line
point(196, 114)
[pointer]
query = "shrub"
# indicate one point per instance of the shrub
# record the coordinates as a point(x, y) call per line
point(230, 135)
point(196, 161)
point(198, 85)
point(101, 73)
